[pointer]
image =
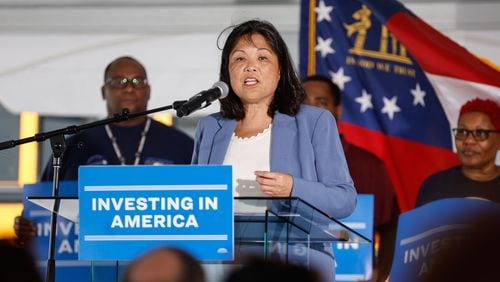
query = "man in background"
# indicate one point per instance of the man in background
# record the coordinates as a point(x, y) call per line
point(140, 140)
point(368, 173)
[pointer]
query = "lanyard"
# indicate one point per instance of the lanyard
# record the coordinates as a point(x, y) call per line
point(118, 152)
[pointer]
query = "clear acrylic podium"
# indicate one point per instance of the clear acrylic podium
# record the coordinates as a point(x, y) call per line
point(288, 221)
point(280, 228)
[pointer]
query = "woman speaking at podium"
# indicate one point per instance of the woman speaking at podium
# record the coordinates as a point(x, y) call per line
point(272, 141)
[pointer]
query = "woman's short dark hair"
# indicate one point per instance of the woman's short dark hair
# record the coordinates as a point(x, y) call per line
point(288, 95)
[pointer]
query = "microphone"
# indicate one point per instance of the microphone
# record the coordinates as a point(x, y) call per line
point(203, 99)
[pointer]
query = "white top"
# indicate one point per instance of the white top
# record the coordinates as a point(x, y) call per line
point(246, 155)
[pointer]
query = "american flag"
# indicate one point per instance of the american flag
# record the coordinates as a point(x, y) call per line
point(403, 83)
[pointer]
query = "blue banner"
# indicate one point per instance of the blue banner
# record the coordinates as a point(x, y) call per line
point(68, 268)
point(354, 260)
point(66, 244)
point(126, 211)
point(425, 232)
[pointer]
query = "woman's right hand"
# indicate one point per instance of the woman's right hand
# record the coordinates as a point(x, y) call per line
point(25, 230)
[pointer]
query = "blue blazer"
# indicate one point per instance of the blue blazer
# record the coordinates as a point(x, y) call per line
point(306, 146)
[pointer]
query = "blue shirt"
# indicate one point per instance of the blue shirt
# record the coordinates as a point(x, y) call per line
point(164, 145)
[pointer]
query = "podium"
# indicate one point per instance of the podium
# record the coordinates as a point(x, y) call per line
point(117, 208)
point(288, 229)
point(290, 221)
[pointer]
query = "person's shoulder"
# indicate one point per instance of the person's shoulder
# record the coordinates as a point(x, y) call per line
point(211, 120)
point(362, 153)
point(307, 110)
point(312, 113)
point(167, 131)
point(86, 135)
point(436, 185)
point(212, 117)
point(161, 126)
point(443, 176)
point(446, 173)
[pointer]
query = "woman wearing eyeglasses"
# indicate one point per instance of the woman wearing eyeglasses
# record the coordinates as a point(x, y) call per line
point(478, 140)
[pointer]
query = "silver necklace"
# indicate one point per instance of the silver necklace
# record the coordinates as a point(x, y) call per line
point(138, 153)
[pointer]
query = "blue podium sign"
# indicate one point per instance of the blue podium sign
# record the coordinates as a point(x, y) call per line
point(128, 210)
point(355, 260)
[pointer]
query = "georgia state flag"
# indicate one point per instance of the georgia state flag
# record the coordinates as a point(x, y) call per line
point(403, 83)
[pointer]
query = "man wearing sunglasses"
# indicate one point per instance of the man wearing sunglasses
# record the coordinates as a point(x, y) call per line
point(477, 138)
point(140, 140)
point(132, 142)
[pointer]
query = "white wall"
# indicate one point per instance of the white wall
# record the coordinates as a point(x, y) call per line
point(54, 52)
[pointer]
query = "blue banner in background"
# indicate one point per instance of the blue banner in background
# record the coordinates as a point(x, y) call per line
point(66, 245)
point(68, 268)
point(126, 211)
point(426, 231)
point(354, 260)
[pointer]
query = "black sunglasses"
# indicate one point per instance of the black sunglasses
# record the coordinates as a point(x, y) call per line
point(122, 82)
point(477, 134)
